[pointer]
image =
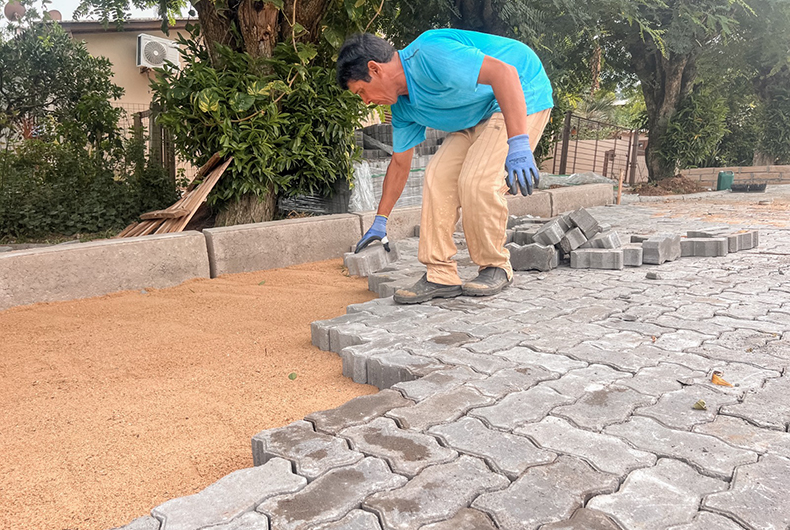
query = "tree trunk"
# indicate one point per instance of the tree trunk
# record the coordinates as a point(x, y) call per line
point(666, 81)
point(248, 209)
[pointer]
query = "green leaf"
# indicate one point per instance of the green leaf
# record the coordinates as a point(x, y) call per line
point(306, 53)
point(208, 100)
point(292, 376)
point(277, 3)
point(262, 282)
point(241, 102)
point(298, 29)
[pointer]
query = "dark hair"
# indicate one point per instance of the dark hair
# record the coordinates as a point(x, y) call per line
point(353, 57)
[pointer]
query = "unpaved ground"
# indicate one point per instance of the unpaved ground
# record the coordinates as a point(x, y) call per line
point(113, 405)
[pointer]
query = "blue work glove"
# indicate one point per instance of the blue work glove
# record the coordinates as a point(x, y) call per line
point(377, 232)
point(520, 166)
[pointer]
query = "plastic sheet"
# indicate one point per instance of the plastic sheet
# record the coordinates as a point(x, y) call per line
point(362, 197)
point(577, 179)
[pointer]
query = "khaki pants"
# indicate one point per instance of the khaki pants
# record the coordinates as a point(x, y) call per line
point(467, 172)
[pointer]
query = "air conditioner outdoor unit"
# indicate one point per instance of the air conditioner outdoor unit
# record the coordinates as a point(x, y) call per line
point(152, 52)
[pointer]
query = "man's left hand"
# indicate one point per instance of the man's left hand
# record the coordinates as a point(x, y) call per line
point(522, 173)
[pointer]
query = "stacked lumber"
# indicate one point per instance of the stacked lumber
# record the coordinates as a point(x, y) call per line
point(176, 217)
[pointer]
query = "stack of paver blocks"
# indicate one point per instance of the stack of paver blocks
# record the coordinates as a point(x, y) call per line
point(383, 133)
point(577, 236)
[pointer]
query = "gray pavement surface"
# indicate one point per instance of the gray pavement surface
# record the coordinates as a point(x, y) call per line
point(566, 401)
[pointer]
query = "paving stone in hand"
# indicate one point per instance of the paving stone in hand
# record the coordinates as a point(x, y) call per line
point(435, 494)
point(550, 361)
point(438, 381)
point(709, 454)
point(519, 408)
point(584, 519)
point(511, 380)
point(357, 411)
point(740, 433)
point(657, 497)
point(407, 452)
point(465, 519)
point(229, 497)
point(607, 453)
point(506, 453)
point(598, 408)
point(708, 521)
point(355, 520)
point(331, 496)
point(767, 407)
point(545, 494)
point(313, 453)
point(758, 496)
point(676, 409)
point(443, 407)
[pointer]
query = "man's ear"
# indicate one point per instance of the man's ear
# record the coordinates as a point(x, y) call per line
point(374, 68)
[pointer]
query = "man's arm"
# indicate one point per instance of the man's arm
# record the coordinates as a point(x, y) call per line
point(503, 79)
point(395, 181)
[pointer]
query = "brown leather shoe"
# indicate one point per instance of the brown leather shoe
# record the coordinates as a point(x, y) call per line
point(423, 290)
point(490, 280)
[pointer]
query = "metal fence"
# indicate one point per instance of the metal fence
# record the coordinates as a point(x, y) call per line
point(604, 148)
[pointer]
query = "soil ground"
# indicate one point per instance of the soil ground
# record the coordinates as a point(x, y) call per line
point(672, 186)
point(112, 405)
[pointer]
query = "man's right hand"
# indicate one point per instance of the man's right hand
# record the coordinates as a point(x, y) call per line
point(377, 232)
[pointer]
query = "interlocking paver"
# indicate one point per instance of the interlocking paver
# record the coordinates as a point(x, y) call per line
point(355, 520)
point(767, 407)
point(507, 453)
point(480, 362)
point(583, 380)
point(151, 523)
point(598, 408)
point(357, 411)
point(439, 408)
point(745, 376)
point(676, 409)
point(246, 521)
point(511, 380)
point(387, 369)
point(521, 407)
point(465, 519)
point(407, 452)
point(660, 379)
point(758, 496)
point(708, 521)
point(607, 453)
point(657, 497)
point(740, 433)
point(331, 496)
point(550, 361)
point(584, 519)
point(313, 453)
point(708, 454)
point(440, 380)
point(435, 494)
point(230, 496)
point(545, 494)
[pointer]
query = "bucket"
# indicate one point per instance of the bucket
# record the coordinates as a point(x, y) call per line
point(725, 180)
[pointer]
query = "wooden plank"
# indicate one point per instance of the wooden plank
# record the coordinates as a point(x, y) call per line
point(202, 192)
point(204, 169)
point(168, 213)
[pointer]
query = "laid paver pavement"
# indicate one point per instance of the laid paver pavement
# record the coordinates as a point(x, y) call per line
point(566, 401)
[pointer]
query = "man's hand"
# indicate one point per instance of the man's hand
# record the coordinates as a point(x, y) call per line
point(520, 165)
point(377, 232)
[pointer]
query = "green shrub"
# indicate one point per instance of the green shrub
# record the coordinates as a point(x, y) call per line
point(695, 130)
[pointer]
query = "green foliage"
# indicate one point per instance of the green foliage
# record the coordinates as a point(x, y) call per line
point(775, 133)
point(695, 130)
point(286, 123)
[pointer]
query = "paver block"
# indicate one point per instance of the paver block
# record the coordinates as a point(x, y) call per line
point(483, 363)
point(661, 248)
point(229, 497)
point(608, 239)
point(657, 497)
point(465, 519)
point(584, 519)
point(676, 409)
point(391, 368)
point(758, 496)
point(549, 361)
point(506, 453)
point(355, 520)
point(407, 452)
point(708, 521)
point(521, 407)
point(370, 259)
point(582, 219)
point(525, 235)
point(533, 257)
point(740, 433)
point(313, 453)
point(572, 240)
point(660, 379)
point(438, 381)
point(246, 521)
point(497, 342)
point(435, 494)
point(703, 247)
point(511, 380)
point(331, 496)
point(597, 258)
point(599, 408)
point(632, 255)
point(607, 453)
point(359, 410)
point(143, 523)
point(549, 234)
point(439, 408)
point(767, 407)
point(545, 494)
point(709, 454)
point(588, 379)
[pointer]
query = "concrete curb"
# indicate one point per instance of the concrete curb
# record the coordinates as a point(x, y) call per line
point(67, 272)
point(631, 199)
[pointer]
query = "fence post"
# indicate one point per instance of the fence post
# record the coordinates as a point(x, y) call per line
point(566, 140)
point(634, 151)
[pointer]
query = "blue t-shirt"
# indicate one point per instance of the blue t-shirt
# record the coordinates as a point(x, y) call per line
point(442, 67)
